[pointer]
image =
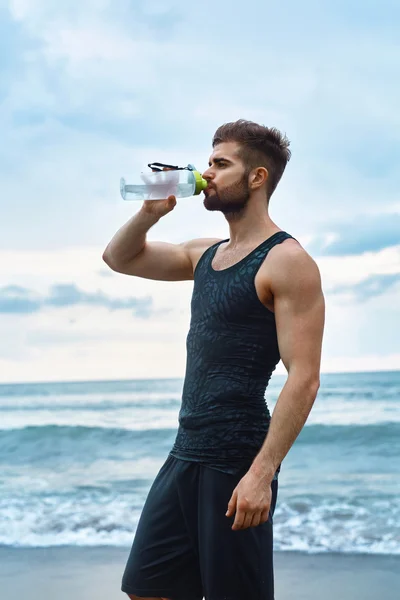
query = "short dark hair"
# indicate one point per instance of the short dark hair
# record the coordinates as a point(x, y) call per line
point(260, 146)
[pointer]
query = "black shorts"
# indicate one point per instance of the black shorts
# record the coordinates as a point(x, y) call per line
point(184, 547)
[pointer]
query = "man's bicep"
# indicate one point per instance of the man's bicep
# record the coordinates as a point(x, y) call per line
point(300, 314)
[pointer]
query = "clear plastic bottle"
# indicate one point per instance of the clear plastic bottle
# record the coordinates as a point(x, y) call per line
point(158, 185)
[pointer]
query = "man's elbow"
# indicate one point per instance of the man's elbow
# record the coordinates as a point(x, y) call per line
point(106, 257)
point(309, 391)
point(314, 387)
point(108, 260)
point(312, 384)
point(308, 383)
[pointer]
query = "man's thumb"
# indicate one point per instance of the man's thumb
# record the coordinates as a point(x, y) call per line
point(230, 506)
point(171, 202)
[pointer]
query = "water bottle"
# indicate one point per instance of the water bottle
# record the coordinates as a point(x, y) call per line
point(181, 182)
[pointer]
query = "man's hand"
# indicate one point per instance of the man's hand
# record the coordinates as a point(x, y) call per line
point(159, 208)
point(251, 500)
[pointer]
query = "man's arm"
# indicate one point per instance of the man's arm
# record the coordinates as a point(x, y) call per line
point(294, 280)
point(131, 254)
point(300, 315)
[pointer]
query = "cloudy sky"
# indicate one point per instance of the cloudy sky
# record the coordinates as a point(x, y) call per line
point(91, 91)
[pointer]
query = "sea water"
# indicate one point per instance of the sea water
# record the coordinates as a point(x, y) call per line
point(77, 461)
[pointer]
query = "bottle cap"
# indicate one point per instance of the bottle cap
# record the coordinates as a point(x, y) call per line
point(201, 183)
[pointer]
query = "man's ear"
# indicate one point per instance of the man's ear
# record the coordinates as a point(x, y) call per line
point(258, 177)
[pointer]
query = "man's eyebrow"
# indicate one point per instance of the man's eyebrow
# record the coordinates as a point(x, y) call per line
point(219, 160)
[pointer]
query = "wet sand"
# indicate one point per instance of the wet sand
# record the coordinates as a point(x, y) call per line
point(71, 573)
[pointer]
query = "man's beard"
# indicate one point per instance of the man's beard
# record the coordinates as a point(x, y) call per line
point(231, 200)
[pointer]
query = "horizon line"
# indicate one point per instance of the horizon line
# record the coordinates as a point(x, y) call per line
point(137, 379)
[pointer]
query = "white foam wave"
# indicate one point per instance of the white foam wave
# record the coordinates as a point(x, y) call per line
point(361, 412)
point(150, 415)
point(112, 399)
point(338, 526)
point(331, 526)
point(138, 419)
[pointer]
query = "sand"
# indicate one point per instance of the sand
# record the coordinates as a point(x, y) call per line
point(95, 574)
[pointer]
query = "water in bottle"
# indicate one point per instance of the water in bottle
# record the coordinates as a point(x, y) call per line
point(181, 182)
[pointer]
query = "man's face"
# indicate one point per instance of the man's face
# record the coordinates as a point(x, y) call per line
point(227, 189)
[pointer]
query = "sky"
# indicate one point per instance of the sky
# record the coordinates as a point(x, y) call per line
point(92, 91)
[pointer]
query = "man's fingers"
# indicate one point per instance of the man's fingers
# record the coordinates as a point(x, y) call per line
point(256, 520)
point(264, 516)
point(171, 201)
point(231, 504)
point(247, 520)
point(239, 519)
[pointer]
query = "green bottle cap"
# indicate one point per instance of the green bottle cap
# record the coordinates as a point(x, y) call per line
point(201, 183)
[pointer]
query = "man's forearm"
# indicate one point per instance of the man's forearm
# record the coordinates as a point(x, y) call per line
point(130, 239)
point(291, 411)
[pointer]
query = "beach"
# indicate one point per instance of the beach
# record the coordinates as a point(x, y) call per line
point(78, 459)
point(95, 573)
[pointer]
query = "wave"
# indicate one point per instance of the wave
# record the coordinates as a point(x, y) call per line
point(84, 388)
point(338, 525)
point(90, 402)
point(388, 432)
point(310, 434)
point(80, 443)
point(93, 518)
point(96, 406)
point(31, 444)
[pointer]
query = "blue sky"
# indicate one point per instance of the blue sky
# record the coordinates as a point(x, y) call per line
point(92, 91)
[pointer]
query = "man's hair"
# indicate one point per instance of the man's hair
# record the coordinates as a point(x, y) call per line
point(259, 147)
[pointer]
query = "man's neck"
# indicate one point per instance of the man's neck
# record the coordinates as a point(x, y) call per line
point(249, 228)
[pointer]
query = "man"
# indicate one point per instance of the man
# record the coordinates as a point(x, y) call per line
point(206, 527)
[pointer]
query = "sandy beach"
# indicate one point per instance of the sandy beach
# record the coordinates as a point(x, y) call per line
point(95, 573)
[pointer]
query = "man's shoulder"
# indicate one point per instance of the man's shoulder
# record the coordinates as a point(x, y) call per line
point(288, 262)
point(289, 253)
point(200, 243)
point(196, 248)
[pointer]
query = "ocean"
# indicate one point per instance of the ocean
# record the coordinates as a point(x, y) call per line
point(77, 461)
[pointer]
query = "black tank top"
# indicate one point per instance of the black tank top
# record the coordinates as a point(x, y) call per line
point(232, 350)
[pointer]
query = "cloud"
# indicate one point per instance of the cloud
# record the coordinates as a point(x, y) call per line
point(376, 285)
point(105, 273)
point(82, 341)
point(16, 299)
point(94, 91)
point(19, 300)
point(366, 233)
point(94, 82)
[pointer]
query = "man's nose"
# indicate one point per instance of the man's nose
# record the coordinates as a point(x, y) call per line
point(208, 174)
